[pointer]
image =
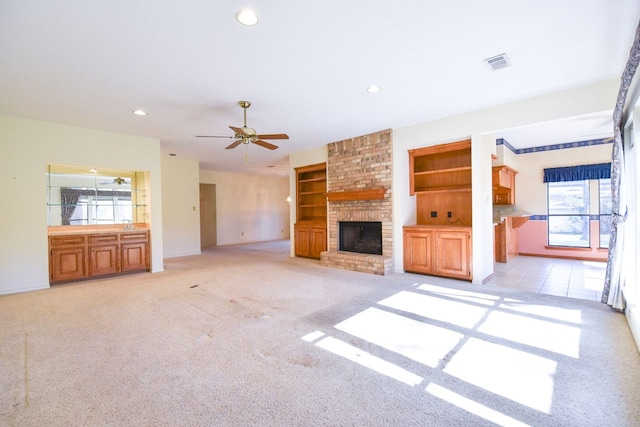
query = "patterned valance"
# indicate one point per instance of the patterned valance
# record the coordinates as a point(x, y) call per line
point(578, 173)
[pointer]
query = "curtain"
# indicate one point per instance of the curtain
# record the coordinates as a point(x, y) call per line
point(68, 199)
point(615, 279)
point(578, 173)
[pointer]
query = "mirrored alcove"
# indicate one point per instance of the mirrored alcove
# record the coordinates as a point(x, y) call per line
point(78, 195)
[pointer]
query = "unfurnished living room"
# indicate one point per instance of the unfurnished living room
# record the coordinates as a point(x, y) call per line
point(332, 214)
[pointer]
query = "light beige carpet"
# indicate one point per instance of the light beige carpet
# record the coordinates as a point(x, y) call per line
point(247, 336)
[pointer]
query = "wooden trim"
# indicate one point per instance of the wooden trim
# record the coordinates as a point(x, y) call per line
point(346, 196)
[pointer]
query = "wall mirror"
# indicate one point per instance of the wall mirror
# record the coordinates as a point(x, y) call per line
point(93, 196)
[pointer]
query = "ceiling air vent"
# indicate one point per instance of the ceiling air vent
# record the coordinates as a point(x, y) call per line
point(497, 62)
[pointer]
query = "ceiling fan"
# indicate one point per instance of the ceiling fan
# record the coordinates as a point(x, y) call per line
point(246, 135)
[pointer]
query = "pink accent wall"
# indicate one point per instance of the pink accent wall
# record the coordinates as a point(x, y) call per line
point(533, 241)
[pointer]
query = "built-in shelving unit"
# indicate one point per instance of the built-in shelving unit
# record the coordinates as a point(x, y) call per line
point(440, 243)
point(441, 168)
point(311, 207)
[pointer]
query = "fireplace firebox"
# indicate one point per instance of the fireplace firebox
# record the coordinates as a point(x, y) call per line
point(363, 237)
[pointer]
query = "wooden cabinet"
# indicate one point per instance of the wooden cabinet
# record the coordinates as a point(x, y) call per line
point(134, 251)
point(503, 180)
point(103, 254)
point(438, 251)
point(81, 256)
point(310, 240)
point(453, 253)
point(67, 258)
point(418, 250)
point(310, 230)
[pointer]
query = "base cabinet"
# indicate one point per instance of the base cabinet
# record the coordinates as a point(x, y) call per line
point(438, 251)
point(82, 256)
point(67, 263)
point(310, 240)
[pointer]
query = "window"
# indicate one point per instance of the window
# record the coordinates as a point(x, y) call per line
point(604, 193)
point(568, 209)
point(104, 208)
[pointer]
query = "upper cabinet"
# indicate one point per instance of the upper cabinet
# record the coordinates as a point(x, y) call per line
point(503, 185)
point(440, 168)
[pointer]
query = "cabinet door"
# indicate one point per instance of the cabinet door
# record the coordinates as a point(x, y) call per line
point(301, 234)
point(67, 263)
point(103, 259)
point(135, 256)
point(453, 254)
point(317, 241)
point(418, 251)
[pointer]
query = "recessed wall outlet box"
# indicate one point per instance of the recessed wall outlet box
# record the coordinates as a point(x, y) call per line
point(448, 214)
point(434, 214)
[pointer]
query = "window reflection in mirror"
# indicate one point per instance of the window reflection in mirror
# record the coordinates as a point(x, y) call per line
point(90, 196)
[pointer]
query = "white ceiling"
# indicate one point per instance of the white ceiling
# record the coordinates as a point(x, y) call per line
point(305, 66)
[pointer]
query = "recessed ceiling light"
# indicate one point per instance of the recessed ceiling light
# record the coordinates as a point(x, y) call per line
point(374, 89)
point(247, 17)
point(139, 112)
point(172, 154)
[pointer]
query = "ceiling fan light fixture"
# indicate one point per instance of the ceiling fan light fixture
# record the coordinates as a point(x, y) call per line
point(247, 17)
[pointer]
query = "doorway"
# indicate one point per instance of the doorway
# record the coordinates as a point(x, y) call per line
point(208, 227)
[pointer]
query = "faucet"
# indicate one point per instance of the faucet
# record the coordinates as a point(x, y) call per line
point(128, 224)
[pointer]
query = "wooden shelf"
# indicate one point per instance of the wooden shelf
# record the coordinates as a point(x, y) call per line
point(440, 171)
point(453, 188)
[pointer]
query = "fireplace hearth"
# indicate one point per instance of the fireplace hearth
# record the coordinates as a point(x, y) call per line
point(364, 237)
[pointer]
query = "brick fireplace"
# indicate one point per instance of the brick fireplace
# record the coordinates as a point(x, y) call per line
point(359, 190)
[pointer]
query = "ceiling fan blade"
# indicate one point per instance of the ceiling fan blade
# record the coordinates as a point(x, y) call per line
point(238, 131)
point(212, 136)
point(234, 145)
point(274, 136)
point(265, 144)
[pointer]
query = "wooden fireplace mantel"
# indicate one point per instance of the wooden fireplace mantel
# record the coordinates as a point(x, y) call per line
point(365, 194)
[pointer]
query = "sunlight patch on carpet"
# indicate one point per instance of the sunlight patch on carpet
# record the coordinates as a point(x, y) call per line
point(546, 335)
point(472, 406)
point(424, 343)
point(556, 313)
point(516, 375)
point(456, 313)
point(477, 297)
point(368, 360)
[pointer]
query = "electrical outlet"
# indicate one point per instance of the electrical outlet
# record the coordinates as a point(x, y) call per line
point(434, 214)
point(448, 214)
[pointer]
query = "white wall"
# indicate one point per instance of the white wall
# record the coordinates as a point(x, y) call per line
point(250, 208)
point(180, 206)
point(597, 97)
point(28, 146)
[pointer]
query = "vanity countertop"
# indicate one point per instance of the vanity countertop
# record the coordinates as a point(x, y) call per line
point(88, 229)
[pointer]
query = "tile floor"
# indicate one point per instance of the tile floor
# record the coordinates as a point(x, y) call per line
point(552, 276)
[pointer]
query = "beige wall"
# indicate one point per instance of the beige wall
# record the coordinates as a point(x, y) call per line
point(180, 207)
point(28, 146)
point(250, 208)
